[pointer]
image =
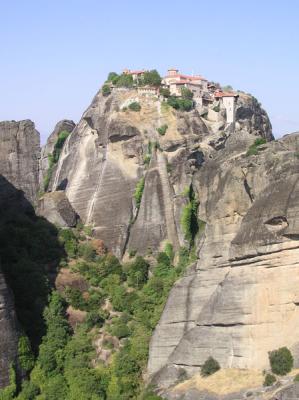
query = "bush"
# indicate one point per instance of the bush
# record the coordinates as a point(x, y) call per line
point(112, 77)
point(162, 130)
point(138, 192)
point(269, 380)
point(135, 106)
point(124, 80)
point(189, 219)
point(281, 361)
point(151, 78)
point(180, 104)
point(209, 367)
point(106, 90)
point(296, 378)
point(186, 93)
point(137, 272)
point(25, 354)
point(165, 92)
point(254, 148)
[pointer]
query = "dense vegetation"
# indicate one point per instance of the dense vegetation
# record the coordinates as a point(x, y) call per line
point(150, 78)
point(66, 365)
point(29, 245)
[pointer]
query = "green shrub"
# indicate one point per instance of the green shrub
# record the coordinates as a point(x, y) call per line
point(132, 253)
point(281, 361)
point(124, 80)
point(269, 380)
point(147, 159)
point(186, 93)
point(119, 329)
point(151, 78)
point(135, 106)
point(106, 90)
point(168, 249)
point(86, 251)
point(162, 130)
point(216, 108)
point(165, 92)
point(139, 191)
point(137, 272)
point(112, 77)
point(209, 367)
point(25, 354)
point(75, 298)
point(189, 219)
point(254, 148)
point(296, 378)
point(180, 104)
point(9, 391)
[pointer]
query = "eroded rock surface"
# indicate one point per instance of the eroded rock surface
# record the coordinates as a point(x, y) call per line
point(241, 299)
point(56, 208)
point(19, 156)
point(108, 153)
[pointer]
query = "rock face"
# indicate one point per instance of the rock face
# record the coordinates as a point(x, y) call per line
point(56, 208)
point(8, 332)
point(241, 299)
point(19, 155)
point(64, 125)
point(9, 197)
point(108, 153)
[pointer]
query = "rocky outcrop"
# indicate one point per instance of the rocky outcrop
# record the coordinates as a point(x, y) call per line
point(241, 299)
point(19, 155)
point(9, 197)
point(108, 153)
point(56, 208)
point(64, 125)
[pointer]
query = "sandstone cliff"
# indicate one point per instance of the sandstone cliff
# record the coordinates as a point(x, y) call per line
point(19, 156)
point(240, 300)
point(112, 149)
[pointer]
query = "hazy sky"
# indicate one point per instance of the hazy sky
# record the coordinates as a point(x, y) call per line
point(56, 54)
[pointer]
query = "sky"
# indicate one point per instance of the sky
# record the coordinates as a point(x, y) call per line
point(55, 55)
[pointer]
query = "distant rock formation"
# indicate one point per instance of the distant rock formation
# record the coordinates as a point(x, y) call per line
point(19, 156)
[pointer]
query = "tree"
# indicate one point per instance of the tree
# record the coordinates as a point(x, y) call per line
point(112, 76)
point(209, 367)
point(152, 78)
point(281, 361)
point(137, 272)
point(25, 354)
point(106, 90)
point(165, 92)
point(186, 93)
point(125, 80)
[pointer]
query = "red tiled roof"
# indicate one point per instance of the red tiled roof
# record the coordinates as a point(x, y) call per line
point(225, 94)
